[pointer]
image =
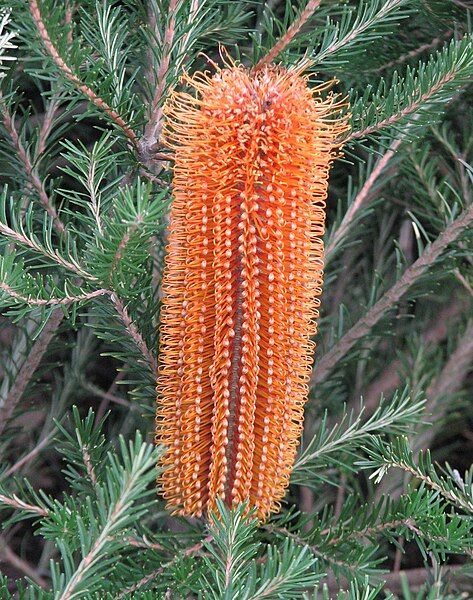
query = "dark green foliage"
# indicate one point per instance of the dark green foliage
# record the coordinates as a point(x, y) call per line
point(380, 503)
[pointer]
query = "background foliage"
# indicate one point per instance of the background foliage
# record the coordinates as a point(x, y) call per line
point(381, 500)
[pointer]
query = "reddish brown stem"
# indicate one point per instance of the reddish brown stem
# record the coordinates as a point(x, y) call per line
point(30, 170)
point(18, 504)
point(415, 52)
point(361, 198)
point(21, 565)
point(406, 111)
point(51, 301)
point(133, 331)
point(73, 78)
point(290, 34)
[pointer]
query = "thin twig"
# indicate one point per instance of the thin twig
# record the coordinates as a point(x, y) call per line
point(358, 28)
point(94, 201)
point(154, 575)
point(413, 53)
point(73, 78)
point(117, 302)
point(109, 394)
point(290, 34)
point(109, 397)
point(23, 240)
point(416, 578)
point(145, 543)
point(462, 4)
point(463, 281)
point(362, 197)
point(342, 488)
point(123, 244)
point(28, 457)
point(52, 301)
point(47, 124)
point(417, 474)
point(306, 504)
point(18, 563)
point(31, 172)
point(406, 111)
point(369, 532)
point(134, 333)
point(314, 549)
point(68, 21)
point(398, 554)
point(18, 504)
point(29, 367)
point(88, 560)
point(88, 465)
point(449, 381)
point(390, 378)
point(411, 275)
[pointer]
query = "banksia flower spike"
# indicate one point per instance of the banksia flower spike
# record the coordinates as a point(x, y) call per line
point(241, 283)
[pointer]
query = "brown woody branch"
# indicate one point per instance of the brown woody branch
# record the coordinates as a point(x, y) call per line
point(28, 368)
point(88, 465)
point(362, 197)
point(23, 240)
point(416, 578)
point(116, 301)
point(131, 229)
point(68, 21)
point(143, 542)
point(314, 549)
point(119, 307)
point(47, 124)
point(27, 457)
point(153, 126)
point(390, 378)
point(448, 382)
point(415, 52)
point(358, 29)
point(7, 554)
point(106, 396)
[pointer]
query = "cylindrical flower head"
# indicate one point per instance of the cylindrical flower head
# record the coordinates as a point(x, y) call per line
point(241, 283)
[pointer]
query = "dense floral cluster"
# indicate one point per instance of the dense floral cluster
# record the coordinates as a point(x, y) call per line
point(241, 283)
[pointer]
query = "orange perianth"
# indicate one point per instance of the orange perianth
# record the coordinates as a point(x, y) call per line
point(241, 283)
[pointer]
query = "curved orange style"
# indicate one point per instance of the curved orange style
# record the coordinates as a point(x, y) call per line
point(241, 282)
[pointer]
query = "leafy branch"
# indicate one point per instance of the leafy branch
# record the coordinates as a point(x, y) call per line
point(382, 457)
point(387, 302)
point(422, 89)
point(73, 78)
point(350, 435)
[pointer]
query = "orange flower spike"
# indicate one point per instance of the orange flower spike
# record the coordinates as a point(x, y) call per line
point(241, 283)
